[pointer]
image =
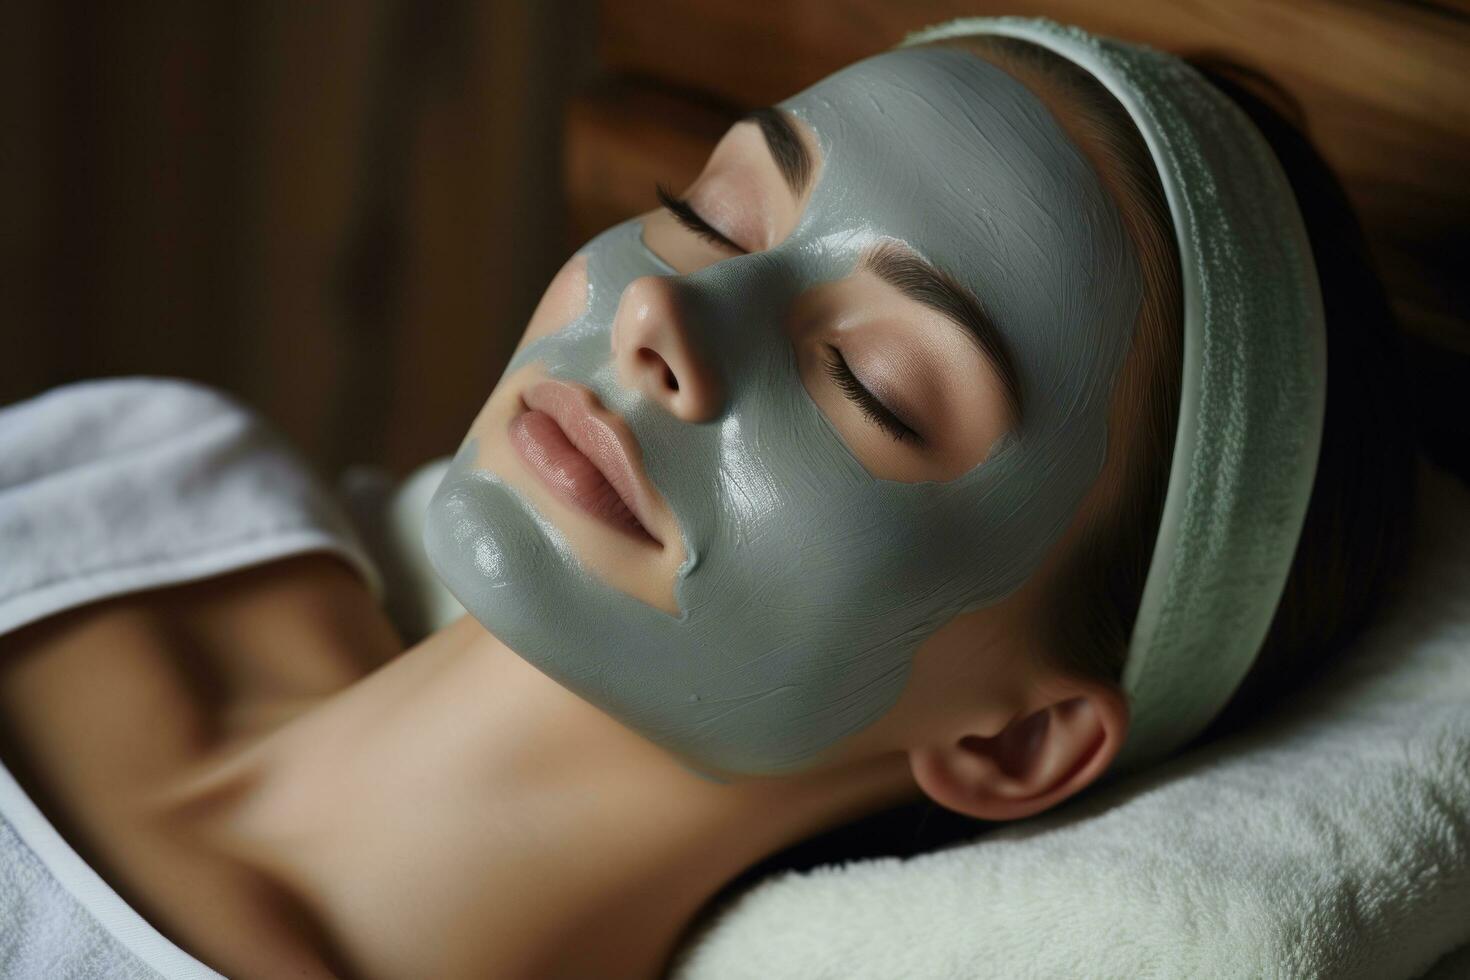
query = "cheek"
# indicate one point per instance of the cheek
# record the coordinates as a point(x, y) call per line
point(564, 301)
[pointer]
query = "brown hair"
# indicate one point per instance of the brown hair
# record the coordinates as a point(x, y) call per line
point(1357, 519)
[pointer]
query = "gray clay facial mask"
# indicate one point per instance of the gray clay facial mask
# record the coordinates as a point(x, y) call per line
point(809, 584)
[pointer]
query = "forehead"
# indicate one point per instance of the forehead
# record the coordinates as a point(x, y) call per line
point(931, 111)
point(946, 151)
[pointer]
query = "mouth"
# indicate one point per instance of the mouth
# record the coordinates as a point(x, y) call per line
point(585, 455)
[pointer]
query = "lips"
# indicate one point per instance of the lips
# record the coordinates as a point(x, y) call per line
point(584, 455)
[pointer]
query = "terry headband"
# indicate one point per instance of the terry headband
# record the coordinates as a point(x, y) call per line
point(1253, 393)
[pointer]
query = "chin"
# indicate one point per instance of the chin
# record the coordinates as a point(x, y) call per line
point(725, 708)
point(484, 545)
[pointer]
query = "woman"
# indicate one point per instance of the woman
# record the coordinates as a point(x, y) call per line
point(765, 543)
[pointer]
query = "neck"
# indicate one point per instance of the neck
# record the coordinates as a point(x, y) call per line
point(458, 813)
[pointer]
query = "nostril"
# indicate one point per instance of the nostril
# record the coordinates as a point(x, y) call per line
point(652, 359)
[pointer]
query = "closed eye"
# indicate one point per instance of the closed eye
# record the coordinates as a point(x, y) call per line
point(685, 214)
point(856, 392)
point(836, 365)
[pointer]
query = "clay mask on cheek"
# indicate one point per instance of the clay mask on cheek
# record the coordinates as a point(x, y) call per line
point(809, 584)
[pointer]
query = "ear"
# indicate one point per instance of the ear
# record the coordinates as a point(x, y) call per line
point(1039, 759)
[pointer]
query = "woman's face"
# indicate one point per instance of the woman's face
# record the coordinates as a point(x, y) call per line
point(747, 459)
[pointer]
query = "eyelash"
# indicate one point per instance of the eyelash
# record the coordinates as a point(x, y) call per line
point(836, 365)
point(685, 214)
point(876, 411)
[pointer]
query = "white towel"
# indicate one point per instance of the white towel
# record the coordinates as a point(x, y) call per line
point(123, 484)
point(1332, 841)
point(108, 487)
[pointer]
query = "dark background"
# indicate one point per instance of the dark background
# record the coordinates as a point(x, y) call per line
point(345, 212)
point(341, 212)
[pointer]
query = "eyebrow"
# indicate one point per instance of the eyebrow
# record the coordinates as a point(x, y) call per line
point(790, 153)
point(908, 272)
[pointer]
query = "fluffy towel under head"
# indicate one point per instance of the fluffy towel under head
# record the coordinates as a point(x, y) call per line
point(1332, 841)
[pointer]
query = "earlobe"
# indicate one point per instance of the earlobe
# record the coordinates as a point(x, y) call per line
point(1038, 760)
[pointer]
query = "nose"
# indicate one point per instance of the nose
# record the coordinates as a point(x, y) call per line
point(654, 352)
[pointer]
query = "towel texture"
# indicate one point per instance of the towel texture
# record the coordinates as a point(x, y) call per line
point(124, 484)
point(1331, 841)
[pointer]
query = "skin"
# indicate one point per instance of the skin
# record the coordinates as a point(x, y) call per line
point(357, 809)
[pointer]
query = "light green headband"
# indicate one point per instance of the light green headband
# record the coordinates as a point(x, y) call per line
point(1253, 393)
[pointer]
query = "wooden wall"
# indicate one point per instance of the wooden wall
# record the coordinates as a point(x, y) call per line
point(345, 211)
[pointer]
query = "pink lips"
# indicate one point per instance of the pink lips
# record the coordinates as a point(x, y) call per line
point(583, 454)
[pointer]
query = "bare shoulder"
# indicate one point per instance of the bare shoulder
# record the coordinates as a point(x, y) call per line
point(102, 707)
point(301, 627)
point(139, 684)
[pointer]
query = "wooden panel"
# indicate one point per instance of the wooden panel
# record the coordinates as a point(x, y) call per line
point(304, 74)
point(342, 212)
point(113, 231)
point(484, 192)
point(1384, 89)
point(29, 241)
point(180, 182)
point(622, 136)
